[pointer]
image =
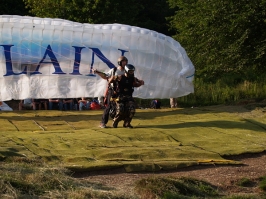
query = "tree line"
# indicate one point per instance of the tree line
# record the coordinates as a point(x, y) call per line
point(224, 39)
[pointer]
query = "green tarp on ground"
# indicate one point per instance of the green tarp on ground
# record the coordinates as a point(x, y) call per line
point(161, 140)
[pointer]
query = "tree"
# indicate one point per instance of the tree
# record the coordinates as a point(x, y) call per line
point(222, 37)
point(147, 14)
point(13, 7)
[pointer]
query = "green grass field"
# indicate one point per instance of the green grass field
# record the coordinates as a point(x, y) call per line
point(161, 139)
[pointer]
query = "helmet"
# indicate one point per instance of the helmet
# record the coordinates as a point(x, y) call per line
point(129, 69)
point(120, 59)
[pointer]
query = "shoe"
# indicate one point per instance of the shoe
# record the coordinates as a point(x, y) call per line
point(102, 125)
point(128, 126)
point(115, 123)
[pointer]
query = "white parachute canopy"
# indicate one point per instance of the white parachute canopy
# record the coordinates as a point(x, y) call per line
point(54, 58)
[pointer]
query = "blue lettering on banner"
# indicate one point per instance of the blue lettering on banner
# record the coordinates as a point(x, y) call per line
point(49, 52)
point(9, 67)
point(77, 60)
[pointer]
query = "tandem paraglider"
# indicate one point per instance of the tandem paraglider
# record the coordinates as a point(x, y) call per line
point(54, 58)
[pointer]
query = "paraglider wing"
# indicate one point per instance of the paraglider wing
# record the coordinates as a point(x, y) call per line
point(54, 58)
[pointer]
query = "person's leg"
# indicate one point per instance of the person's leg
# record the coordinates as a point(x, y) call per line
point(33, 105)
point(60, 103)
point(105, 116)
point(20, 105)
point(50, 105)
point(88, 105)
point(80, 106)
point(120, 110)
point(71, 106)
point(173, 103)
point(130, 112)
point(65, 106)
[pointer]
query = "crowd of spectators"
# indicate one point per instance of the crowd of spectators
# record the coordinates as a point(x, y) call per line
point(66, 104)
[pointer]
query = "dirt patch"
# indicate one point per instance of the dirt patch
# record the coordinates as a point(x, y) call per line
point(225, 178)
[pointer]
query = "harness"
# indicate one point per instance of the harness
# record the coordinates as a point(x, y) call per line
point(125, 86)
point(124, 90)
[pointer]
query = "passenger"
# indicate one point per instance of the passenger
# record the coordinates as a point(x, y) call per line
point(123, 95)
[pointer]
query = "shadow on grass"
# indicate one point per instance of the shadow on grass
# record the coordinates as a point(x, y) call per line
point(146, 113)
point(51, 116)
point(223, 124)
point(11, 152)
point(158, 115)
point(254, 126)
point(115, 171)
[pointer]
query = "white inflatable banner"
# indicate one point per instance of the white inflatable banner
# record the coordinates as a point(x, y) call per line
point(54, 58)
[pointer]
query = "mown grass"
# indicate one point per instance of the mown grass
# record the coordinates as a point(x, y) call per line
point(245, 182)
point(188, 188)
point(33, 178)
point(263, 183)
point(175, 188)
